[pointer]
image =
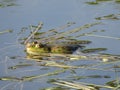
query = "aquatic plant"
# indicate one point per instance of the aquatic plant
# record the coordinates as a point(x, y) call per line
point(80, 85)
point(6, 31)
point(93, 50)
point(58, 68)
point(109, 17)
point(118, 1)
point(7, 3)
point(96, 2)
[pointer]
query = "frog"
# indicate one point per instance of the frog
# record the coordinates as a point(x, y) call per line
point(37, 48)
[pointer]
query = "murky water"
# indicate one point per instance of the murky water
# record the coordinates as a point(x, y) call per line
point(16, 14)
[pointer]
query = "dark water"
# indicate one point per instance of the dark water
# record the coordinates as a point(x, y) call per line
point(16, 14)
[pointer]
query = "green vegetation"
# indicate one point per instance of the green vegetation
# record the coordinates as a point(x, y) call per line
point(96, 2)
point(20, 66)
point(8, 3)
point(55, 53)
point(93, 50)
point(6, 31)
point(111, 16)
point(118, 1)
point(114, 83)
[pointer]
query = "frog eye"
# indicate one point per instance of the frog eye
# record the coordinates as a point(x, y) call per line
point(35, 42)
point(37, 45)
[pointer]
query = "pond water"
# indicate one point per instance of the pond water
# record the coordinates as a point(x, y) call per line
point(18, 14)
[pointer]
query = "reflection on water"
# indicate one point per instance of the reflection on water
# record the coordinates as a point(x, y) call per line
point(23, 73)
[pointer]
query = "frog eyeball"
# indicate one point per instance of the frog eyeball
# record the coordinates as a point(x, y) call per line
point(34, 43)
point(37, 46)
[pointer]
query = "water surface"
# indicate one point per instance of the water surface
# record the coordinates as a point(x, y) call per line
point(16, 14)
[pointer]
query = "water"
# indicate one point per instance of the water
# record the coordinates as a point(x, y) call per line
point(54, 13)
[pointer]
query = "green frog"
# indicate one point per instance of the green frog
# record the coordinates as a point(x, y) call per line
point(35, 48)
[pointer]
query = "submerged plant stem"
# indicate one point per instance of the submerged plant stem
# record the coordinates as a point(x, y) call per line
point(47, 74)
point(55, 37)
point(80, 85)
